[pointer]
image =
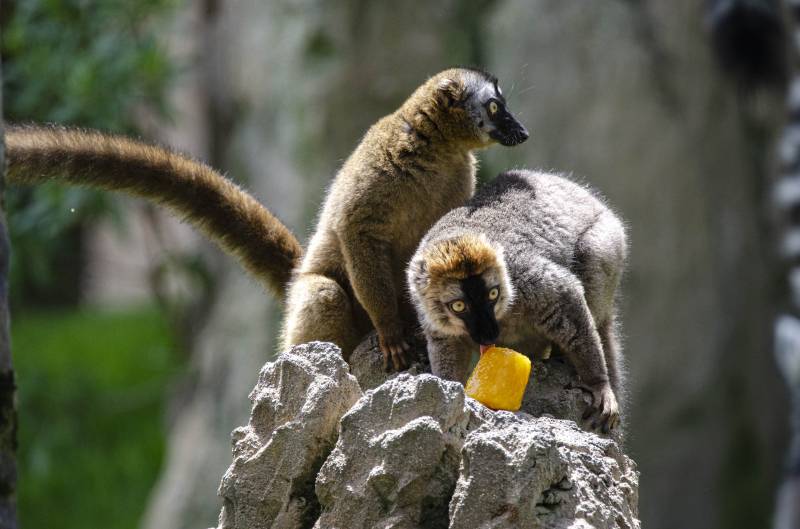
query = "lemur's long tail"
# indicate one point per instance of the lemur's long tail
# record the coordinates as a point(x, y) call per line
point(220, 209)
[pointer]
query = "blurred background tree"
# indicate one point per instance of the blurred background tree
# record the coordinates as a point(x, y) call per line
point(630, 96)
point(657, 104)
point(91, 383)
point(80, 62)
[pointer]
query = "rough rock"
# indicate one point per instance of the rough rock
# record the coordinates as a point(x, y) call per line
point(415, 452)
point(366, 362)
point(397, 458)
point(294, 421)
point(520, 471)
point(552, 391)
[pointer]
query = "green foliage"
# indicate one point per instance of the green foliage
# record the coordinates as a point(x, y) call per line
point(79, 62)
point(86, 62)
point(91, 415)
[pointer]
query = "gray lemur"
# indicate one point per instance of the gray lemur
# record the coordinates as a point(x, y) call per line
point(532, 260)
point(410, 168)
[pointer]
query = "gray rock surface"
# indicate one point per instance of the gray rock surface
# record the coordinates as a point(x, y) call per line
point(366, 362)
point(552, 390)
point(397, 458)
point(415, 452)
point(518, 471)
point(297, 404)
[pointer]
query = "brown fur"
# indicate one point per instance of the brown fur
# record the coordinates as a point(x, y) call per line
point(220, 209)
point(411, 167)
point(460, 257)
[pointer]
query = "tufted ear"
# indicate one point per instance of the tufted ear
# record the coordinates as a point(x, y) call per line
point(449, 92)
point(418, 274)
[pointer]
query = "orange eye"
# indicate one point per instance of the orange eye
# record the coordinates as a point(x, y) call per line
point(492, 107)
point(458, 306)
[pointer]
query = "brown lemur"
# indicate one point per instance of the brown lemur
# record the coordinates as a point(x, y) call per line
point(410, 168)
point(531, 260)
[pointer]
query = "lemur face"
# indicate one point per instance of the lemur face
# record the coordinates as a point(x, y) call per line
point(475, 307)
point(494, 122)
point(462, 289)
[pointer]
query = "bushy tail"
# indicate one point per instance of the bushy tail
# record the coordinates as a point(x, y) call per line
point(220, 209)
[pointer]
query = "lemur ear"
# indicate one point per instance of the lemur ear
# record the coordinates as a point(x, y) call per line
point(420, 278)
point(448, 92)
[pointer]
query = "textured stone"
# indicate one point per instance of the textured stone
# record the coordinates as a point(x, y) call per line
point(518, 471)
point(297, 404)
point(366, 362)
point(416, 452)
point(397, 458)
point(552, 390)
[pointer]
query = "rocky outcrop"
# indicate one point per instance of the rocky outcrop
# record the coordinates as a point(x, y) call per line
point(414, 452)
point(366, 362)
point(517, 471)
point(552, 391)
point(294, 421)
point(396, 462)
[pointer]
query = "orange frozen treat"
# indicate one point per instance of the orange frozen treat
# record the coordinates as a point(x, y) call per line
point(499, 379)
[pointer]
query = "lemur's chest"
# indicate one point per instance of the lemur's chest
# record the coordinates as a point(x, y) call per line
point(519, 334)
point(431, 197)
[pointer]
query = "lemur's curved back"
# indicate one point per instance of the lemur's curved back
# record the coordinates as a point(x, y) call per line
point(192, 190)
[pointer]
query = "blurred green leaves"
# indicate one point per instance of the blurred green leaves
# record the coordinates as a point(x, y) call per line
point(91, 63)
point(83, 62)
point(91, 395)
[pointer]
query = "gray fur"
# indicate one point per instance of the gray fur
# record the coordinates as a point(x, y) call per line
point(564, 252)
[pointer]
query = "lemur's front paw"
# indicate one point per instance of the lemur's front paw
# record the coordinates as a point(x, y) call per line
point(394, 348)
point(604, 411)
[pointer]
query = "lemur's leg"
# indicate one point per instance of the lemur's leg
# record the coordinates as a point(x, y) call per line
point(320, 309)
point(615, 363)
point(369, 264)
point(450, 357)
point(561, 314)
point(600, 260)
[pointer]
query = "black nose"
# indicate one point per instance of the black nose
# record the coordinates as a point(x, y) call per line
point(488, 332)
point(516, 134)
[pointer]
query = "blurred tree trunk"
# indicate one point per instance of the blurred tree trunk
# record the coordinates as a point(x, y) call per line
point(625, 94)
point(8, 410)
point(628, 95)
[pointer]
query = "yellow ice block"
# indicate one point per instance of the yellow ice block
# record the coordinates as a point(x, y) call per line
point(499, 379)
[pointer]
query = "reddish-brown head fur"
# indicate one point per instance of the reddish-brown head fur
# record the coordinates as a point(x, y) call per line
point(461, 257)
